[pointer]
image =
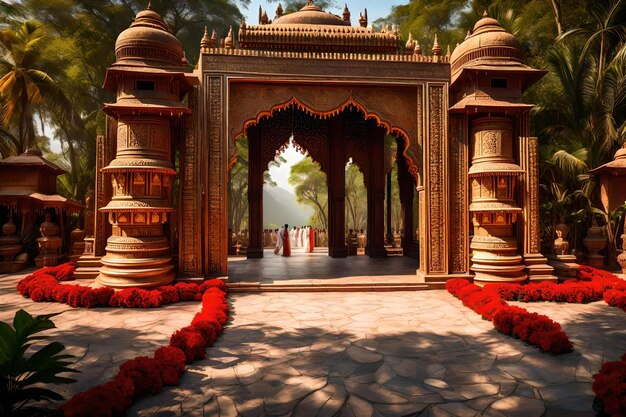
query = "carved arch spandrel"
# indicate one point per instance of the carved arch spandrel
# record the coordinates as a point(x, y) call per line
point(393, 108)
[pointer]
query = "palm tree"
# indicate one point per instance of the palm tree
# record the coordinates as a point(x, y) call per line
point(26, 91)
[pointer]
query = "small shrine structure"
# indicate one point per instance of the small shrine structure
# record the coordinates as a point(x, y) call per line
point(28, 197)
point(467, 165)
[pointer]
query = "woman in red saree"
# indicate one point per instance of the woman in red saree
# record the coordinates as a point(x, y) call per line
point(286, 242)
point(311, 239)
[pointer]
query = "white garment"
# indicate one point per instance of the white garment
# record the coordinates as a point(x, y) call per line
point(279, 241)
point(307, 242)
point(292, 237)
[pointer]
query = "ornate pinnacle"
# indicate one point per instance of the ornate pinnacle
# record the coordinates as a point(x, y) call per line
point(264, 19)
point(184, 59)
point(363, 19)
point(206, 41)
point(229, 42)
point(346, 13)
point(418, 49)
point(279, 10)
point(309, 3)
point(437, 50)
point(243, 25)
point(448, 53)
point(260, 14)
point(410, 45)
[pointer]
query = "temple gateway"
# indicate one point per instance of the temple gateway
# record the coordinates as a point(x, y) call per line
point(467, 165)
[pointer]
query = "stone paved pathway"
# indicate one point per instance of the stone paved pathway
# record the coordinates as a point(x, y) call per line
point(347, 354)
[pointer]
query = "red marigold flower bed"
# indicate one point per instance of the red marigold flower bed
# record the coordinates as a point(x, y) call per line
point(144, 375)
point(533, 328)
point(609, 386)
point(592, 285)
point(43, 285)
point(147, 375)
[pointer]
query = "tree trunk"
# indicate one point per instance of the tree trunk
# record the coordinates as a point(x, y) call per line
point(556, 7)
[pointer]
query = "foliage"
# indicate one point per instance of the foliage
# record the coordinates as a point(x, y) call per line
point(356, 198)
point(21, 376)
point(311, 189)
point(238, 188)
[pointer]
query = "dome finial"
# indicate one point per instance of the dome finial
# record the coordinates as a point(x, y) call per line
point(485, 13)
point(410, 45)
point(149, 6)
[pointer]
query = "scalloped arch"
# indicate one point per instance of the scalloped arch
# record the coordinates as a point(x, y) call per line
point(350, 103)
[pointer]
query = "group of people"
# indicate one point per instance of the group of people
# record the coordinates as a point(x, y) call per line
point(297, 237)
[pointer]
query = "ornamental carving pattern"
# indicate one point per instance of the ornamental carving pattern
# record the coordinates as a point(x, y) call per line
point(387, 105)
point(216, 187)
point(459, 213)
point(436, 185)
point(533, 177)
point(190, 218)
point(139, 135)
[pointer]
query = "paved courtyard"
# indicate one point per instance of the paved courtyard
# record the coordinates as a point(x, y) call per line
point(346, 354)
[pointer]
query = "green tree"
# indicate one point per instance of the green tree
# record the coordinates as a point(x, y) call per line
point(311, 189)
point(27, 90)
point(356, 198)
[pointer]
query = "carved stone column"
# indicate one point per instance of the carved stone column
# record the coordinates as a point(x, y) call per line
point(494, 175)
point(255, 194)
point(337, 188)
point(376, 191)
point(137, 252)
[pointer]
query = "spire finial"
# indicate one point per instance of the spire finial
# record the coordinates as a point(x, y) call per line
point(437, 50)
point(229, 42)
point(346, 13)
point(279, 10)
point(485, 13)
point(149, 6)
point(205, 42)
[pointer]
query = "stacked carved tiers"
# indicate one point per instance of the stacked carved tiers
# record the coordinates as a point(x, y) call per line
point(149, 82)
point(141, 175)
point(493, 177)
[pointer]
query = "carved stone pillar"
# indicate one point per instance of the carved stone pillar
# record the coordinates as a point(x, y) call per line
point(337, 188)
point(255, 194)
point(405, 186)
point(137, 252)
point(376, 191)
point(494, 210)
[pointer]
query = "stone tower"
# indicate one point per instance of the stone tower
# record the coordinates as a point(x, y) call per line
point(488, 79)
point(149, 81)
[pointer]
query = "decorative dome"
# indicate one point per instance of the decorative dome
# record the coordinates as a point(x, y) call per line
point(310, 14)
point(488, 43)
point(149, 39)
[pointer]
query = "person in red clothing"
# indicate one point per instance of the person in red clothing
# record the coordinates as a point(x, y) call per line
point(286, 242)
point(311, 239)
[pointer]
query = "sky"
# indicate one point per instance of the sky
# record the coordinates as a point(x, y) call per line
point(375, 10)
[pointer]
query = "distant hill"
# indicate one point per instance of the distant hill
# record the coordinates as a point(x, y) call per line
point(280, 207)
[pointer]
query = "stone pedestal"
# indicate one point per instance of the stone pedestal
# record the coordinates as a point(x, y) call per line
point(48, 244)
point(10, 246)
point(595, 242)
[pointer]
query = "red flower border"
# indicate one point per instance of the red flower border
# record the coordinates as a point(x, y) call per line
point(142, 376)
point(609, 385)
point(592, 285)
point(533, 328)
point(43, 285)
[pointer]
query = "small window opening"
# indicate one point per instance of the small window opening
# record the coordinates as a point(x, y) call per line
point(499, 83)
point(145, 85)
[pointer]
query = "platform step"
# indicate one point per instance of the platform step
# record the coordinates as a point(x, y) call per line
point(87, 272)
point(238, 287)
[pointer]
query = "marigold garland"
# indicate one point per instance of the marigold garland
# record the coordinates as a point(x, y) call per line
point(609, 385)
point(43, 285)
point(142, 376)
point(592, 285)
point(533, 328)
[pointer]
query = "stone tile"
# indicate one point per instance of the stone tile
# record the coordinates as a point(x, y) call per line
point(519, 407)
point(361, 355)
point(471, 391)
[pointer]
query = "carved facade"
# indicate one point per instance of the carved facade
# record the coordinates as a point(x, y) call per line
point(337, 90)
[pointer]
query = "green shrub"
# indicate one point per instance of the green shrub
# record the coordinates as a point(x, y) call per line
point(22, 378)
